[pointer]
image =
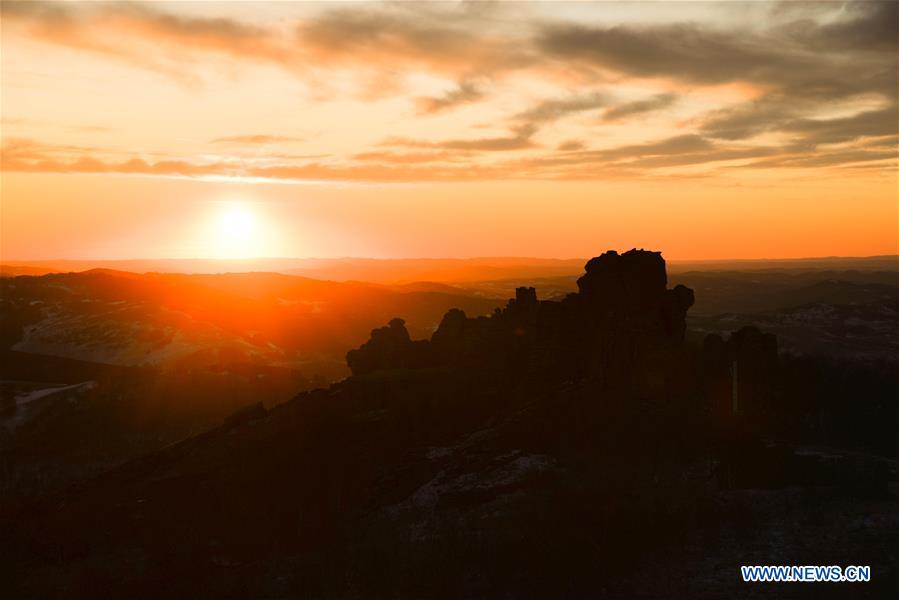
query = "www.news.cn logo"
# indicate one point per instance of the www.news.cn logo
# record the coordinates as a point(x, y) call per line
point(805, 573)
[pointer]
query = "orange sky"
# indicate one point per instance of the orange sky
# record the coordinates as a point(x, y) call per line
point(239, 129)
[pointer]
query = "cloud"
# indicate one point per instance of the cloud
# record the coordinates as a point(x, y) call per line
point(681, 150)
point(799, 52)
point(260, 138)
point(887, 141)
point(448, 42)
point(713, 153)
point(556, 108)
point(117, 29)
point(527, 123)
point(687, 143)
point(801, 64)
point(34, 123)
point(413, 157)
point(871, 27)
point(17, 149)
point(784, 115)
point(749, 119)
point(639, 107)
point(802, 57)
point(845, 129)
point(465, 92)
point(686, 51)
point(848, 158)
point(448, 161)
point(384, 40)
point(30, 156)
point(803, 52)
point(571, 146)
point(518, 139)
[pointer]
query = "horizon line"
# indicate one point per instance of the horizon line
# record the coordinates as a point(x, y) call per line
point(460, 258)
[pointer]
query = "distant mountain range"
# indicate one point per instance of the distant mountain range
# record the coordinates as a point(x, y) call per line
point(443, 270)
point(288, 320)
point(125, 318)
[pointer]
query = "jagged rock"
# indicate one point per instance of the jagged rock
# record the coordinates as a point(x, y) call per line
point(245, 415)
point(678, 302)
point(633, 280)
point(525, 296)
point(623, 329)
point(739, 373)
point(390, 348)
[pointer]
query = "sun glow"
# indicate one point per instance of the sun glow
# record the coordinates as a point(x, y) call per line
point(236, 233)
point(237, 224)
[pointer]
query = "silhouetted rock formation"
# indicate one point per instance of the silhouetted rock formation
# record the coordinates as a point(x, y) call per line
point(388, 347)
point(623, 329)
point(740, 372)
point(245, 415)
point(506, 457)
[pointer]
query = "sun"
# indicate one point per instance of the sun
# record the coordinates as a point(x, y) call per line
point(235, 232)
point(237, 223)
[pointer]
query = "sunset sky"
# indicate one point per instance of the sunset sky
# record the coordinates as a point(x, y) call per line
point(413, 129)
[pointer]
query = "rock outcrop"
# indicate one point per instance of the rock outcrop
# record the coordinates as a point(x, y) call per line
point(740, 373)
point(623, 328)
point(389, 348)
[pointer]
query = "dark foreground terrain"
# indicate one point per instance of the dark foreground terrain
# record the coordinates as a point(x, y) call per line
point(590, 446)
point(102, 366)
